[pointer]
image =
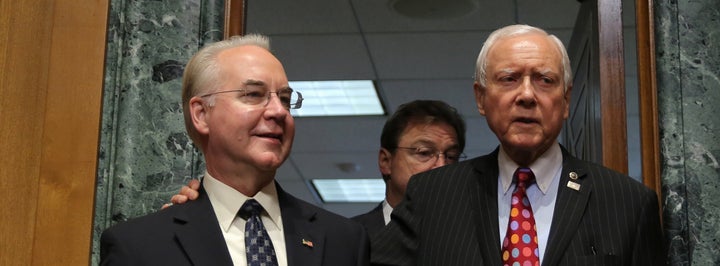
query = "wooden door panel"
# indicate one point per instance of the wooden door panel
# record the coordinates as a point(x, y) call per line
point(596, 128)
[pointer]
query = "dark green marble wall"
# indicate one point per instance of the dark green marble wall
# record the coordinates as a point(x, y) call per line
point(687, 34)
point(145, 155)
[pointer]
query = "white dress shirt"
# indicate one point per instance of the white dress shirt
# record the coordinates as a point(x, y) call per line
point(542, 194)
point(226, 202)
point(387, 210)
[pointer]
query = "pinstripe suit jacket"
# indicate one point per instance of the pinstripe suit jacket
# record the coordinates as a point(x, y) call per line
point(449, 217)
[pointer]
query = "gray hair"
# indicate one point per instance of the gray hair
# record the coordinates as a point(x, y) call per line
point(516, 30)
point(201, 74)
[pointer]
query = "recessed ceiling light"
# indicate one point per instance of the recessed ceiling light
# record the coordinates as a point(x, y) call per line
point(337, 98)
point(350, 190)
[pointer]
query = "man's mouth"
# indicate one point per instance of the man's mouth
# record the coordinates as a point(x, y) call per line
point(526, 120)
point(271, 136)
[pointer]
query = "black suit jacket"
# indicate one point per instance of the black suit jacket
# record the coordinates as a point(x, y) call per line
point(373, 221)
point(449, 216)
point(189, 234)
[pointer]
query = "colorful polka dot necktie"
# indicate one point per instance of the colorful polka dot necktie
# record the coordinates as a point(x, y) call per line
point(258, 246)
point(520, 246)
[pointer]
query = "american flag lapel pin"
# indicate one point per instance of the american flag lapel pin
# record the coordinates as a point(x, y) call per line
point(307, 243)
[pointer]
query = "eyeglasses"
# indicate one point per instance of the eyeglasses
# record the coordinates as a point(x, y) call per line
point(253, 95)
point(425, 154)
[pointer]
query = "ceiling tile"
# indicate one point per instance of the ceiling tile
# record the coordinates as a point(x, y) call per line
point(548, 14)
point(457, 93)
point(337, 134)
point(425, 55)
point(324, 165)
point(273, 17)
point(479, 139)
point(301, 190)
point(288, 171)
point(377, 16)
point(323, 57)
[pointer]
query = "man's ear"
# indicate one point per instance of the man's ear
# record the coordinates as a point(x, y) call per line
point(567, 97)
point(198, 114)
point(479, 97)
point(385, 162)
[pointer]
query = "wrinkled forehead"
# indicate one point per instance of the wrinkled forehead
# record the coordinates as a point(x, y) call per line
point(527, 39)
point(423, 127)
point(529, 46)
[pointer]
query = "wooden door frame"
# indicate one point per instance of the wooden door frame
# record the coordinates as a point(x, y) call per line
point(235, 17)
point(647, 95)
point(235, 21)
point(612, 85)
point(51, 80)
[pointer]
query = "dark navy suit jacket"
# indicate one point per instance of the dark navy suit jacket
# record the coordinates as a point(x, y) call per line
point(373, 221)
point(189, 234)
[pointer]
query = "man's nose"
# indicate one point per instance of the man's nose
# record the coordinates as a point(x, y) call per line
point(527, 91)
point(441, 160)
point(275, 105)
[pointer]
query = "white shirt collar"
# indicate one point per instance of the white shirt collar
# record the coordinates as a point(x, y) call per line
point(387, 210)
point(545, 168)
point(226, 201)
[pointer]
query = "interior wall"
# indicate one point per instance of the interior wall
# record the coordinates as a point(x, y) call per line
point(687, 38)
point(145, 156)
point(51, 67)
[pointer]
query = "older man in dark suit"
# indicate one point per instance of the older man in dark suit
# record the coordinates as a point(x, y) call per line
point(236, 103)
point(529, 202)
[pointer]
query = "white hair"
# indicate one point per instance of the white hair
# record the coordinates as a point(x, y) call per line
point(201, 74)
point(516, 30)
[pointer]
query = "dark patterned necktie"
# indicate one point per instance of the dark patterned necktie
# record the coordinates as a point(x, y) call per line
point(259, 248)
point(520, 246)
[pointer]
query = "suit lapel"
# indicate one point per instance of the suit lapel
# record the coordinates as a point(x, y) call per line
point(570, 207)
point(304, 239)
point(485, 209)
point(376, 220)
point(198, 233)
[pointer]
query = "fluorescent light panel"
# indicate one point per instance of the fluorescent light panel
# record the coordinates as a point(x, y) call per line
point(350, 190)
point(337, 98)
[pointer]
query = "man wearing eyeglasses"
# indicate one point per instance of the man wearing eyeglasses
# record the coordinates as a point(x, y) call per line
point(236, 103)
point(419, 136)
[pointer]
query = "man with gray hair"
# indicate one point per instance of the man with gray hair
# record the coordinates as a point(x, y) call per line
point(236, 102)
point(529, 202)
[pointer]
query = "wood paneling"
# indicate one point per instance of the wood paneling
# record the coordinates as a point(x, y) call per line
point(612, 85)
point(51, 76)
point(235, 14)
point(649, 130)
point(22, 110)
point(596, 129)
point(647, 91)
point(582, 133)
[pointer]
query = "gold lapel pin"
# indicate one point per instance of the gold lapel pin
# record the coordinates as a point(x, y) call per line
point(573, 175)
point(307, 243)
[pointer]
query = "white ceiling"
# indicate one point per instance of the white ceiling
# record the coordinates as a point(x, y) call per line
point(409, 58)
